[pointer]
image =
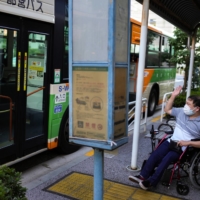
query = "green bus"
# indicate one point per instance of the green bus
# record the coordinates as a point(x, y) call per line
point(159, 73)
point(34, 86)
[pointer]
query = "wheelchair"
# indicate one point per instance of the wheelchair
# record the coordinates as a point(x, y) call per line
point(188, 164)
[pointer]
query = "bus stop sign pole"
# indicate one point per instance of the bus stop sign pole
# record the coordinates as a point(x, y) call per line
point(99, 47)
point(98, 173)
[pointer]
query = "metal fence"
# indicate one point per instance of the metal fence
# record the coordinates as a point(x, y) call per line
point(131, 114)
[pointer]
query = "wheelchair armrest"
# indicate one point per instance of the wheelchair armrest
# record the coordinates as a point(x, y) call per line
point(196, 139)
point(169, 132)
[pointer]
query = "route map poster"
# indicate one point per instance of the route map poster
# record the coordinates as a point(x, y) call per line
point(120, 102)
point(90, 96)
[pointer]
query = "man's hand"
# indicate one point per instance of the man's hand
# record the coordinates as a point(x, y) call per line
point(195, 144)
point(169, 104)
point(183, 143)
point(177, 91)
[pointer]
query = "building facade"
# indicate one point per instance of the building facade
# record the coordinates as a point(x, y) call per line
point(154, 19)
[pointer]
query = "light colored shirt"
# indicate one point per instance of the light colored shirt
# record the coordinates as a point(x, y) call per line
point(186, 128)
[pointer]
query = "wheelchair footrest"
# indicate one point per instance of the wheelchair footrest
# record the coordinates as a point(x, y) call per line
point(166, 177)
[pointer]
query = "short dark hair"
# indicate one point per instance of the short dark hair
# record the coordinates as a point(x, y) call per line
point(195, 99)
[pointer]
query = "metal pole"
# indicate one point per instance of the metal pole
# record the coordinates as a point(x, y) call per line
point(142, 53)
point(189, 84)
point(98, 174)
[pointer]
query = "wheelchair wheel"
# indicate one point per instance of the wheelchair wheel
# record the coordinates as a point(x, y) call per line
point(194, 172)
point(182, 189)
point(165, 127)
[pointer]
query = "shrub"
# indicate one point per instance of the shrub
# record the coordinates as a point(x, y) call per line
point(10, 185)
point(180, 100)
point(2, 190)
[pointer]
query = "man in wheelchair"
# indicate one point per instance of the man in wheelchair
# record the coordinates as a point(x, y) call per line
point(187, 128)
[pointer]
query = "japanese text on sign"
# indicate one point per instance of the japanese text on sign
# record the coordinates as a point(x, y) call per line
point(30, 3)
point(41, 10)
point(89, 102)
point(60, 98)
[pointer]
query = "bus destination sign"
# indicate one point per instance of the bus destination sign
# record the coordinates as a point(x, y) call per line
point(39, 10)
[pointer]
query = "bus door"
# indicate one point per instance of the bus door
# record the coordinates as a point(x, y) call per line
point(24, 63)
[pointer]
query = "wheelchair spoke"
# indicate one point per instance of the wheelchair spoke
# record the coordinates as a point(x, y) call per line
point(195, 171)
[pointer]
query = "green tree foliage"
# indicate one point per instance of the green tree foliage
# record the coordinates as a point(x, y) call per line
point(180, 99)
point(182, 53)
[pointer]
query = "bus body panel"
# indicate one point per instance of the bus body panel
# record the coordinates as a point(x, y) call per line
point(159, 73)
point(17, 34)
point(59, 101)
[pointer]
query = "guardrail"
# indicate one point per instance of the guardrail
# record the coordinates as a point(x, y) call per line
point(165, 98)
point(132, 113)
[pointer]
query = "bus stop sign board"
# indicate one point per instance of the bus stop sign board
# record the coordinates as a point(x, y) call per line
point(99, 71)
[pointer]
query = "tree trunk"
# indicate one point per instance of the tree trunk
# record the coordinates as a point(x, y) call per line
point(186, 74)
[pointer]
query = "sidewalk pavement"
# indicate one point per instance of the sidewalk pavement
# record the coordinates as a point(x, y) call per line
point(115, 169)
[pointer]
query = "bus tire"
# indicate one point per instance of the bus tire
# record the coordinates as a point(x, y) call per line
point(152, 102)
point(63, 141)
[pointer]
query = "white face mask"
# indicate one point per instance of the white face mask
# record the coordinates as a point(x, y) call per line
point(188, 111)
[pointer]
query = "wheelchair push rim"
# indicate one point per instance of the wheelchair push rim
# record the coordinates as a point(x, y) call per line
point(194, 173)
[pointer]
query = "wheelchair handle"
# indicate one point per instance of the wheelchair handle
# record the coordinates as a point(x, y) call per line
point(169, 132)
point(196, 139)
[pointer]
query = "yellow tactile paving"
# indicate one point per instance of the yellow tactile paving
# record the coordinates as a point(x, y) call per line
point(166, 198)
point(80, 186)
point(91, 153)
point(155, 119)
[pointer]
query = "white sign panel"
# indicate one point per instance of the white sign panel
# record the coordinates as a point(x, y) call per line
point(60, 98)
point(59, 88)
point(43, 10)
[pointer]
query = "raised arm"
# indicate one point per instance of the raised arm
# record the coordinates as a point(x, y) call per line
point(168, 107)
